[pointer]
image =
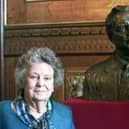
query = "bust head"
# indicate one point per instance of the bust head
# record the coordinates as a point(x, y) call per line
point(117, 26)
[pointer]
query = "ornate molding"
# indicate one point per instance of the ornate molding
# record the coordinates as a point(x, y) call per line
point(67, 38)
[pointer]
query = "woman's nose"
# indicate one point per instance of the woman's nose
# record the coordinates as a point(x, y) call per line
point(40, 82)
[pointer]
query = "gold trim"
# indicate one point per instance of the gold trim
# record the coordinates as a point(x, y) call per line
point(34, 0)
point(57, 24)
point(40, 0)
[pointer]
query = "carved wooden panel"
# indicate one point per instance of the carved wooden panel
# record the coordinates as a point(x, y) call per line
point(10, 87)
point(63, 38)
point(78, 45)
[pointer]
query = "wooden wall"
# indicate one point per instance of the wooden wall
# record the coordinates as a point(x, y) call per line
point(51, 11)
point(72, 28)
point(79, 45)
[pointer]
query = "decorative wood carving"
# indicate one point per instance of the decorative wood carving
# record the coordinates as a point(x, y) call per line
point(78, 44)
point(72, 38)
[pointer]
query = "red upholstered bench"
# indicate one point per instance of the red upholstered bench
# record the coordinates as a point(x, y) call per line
point(89, 114)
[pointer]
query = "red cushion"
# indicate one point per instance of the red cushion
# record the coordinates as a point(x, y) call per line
point(99, 114)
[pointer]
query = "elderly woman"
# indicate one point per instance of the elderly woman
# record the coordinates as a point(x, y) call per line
point(37, 73)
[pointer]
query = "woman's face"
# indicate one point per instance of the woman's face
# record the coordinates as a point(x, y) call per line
point(39, 82)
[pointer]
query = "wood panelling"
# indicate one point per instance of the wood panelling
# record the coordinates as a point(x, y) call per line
point(10, 87)
point(69, 38)
point(77, 44)
point(70, 28)
point(16, 11)
point(51, 11)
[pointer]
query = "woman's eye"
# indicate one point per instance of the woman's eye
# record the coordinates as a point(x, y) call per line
point(33, 77)
point(47, 78)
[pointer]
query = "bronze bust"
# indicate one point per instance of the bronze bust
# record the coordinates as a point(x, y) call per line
point(109, 80)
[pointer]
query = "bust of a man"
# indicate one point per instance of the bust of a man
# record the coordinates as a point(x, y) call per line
point(109, 80)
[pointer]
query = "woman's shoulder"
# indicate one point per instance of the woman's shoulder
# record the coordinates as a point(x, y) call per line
point(4, 104)
point(61, 108)
point(60, 105)
point(62, 116)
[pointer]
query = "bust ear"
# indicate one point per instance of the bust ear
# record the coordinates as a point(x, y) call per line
point(127, 70)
